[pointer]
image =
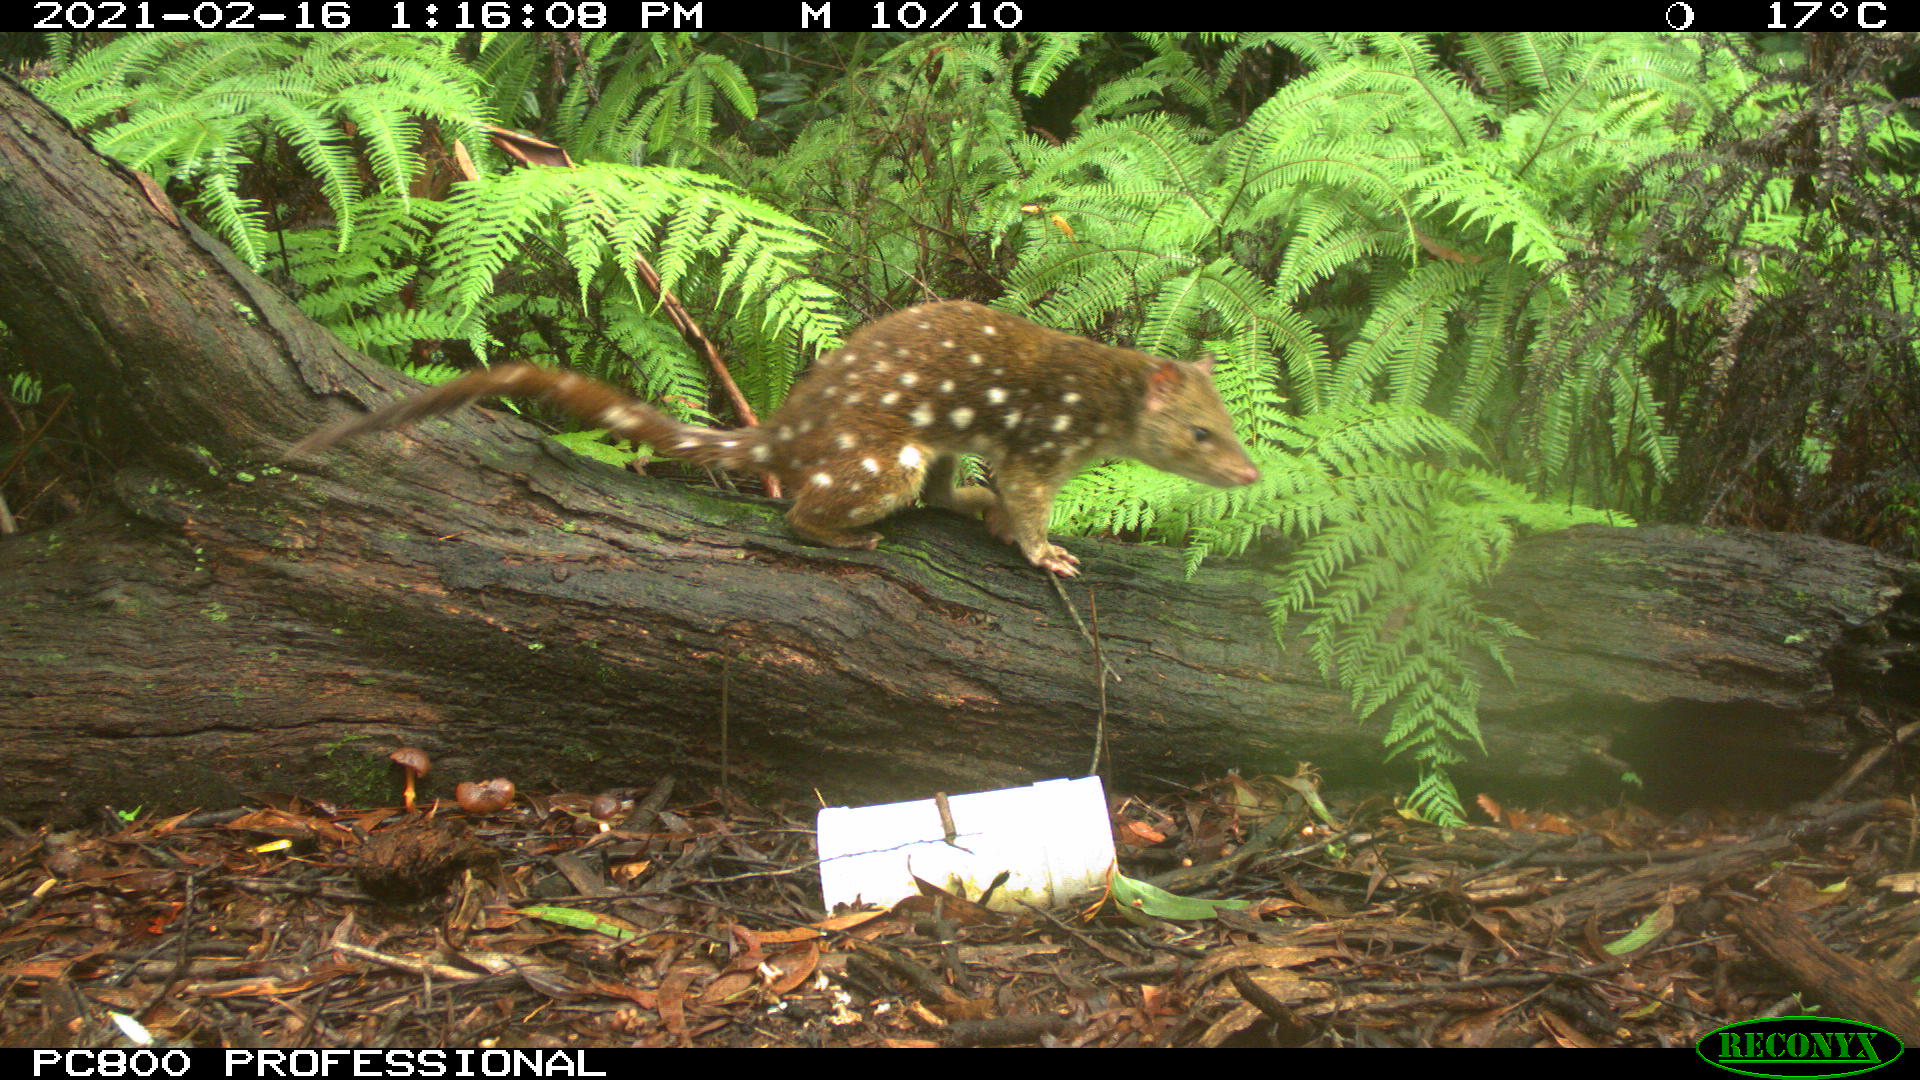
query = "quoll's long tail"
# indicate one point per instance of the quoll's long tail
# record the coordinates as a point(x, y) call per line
point(595, 402)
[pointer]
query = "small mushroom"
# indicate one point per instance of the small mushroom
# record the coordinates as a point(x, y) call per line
point(483, 797)
point(603, 808)
point(415, 763)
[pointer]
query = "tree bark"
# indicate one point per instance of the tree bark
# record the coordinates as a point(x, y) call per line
point(223, 623)
point(1841, 984)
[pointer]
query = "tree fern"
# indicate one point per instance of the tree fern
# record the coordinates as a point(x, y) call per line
point(1049, 59)
point(193, 107)
point(612, 213)
point(1428, 225)
point(644, 98)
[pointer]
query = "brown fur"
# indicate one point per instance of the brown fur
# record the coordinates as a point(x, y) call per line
point(882, 420)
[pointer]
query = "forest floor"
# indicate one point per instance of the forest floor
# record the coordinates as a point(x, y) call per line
point(541, 925)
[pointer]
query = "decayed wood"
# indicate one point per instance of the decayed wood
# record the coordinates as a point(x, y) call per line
point(227, 624)
point(1681, 876)
point(1838, 985)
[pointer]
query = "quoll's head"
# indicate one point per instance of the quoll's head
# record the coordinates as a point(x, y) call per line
point(1185, 430)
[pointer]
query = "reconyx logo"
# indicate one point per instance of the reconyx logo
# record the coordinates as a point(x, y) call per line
point(1800, 1047)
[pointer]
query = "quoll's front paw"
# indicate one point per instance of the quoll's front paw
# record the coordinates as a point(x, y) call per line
point(1055, 558)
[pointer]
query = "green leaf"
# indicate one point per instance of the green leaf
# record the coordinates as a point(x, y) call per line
point(581, 920)
point(592, 444)
point(1138, 896)
point(1657, 922)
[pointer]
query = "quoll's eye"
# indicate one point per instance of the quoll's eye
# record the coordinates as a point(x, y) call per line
point(1201, 434)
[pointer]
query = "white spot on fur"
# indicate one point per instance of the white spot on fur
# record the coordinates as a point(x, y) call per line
point(821, 479)
point(1062, 422)
point(989, 329)
point(882, 365)
point(890, 397)
point(783, 433)
point(686, 444)
point(922, 415)
point(974, 358)
point(856, 398)
point(925, 325)
point(946, 386)
point(911, 457)
point(961, 416)
point(843, 440)
point(759, 452)
point(947, 344)
point(996, 396)
point(728, 444)
point(1069, 399)
point(1012, 419)
point(909, 378)
point(870, 465)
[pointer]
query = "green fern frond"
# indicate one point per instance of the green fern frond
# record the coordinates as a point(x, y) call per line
point(1051, 56)
point(193, 107)
point(433, 374)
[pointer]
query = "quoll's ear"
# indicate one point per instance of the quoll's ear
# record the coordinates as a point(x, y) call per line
point(1162, 383)
point(1204, 362)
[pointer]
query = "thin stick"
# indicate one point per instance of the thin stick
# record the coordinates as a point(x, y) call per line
point(1100, 680)
point(726, 681)
point(1077, 621)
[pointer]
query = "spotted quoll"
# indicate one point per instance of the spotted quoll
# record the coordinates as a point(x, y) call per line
point(882, 420)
